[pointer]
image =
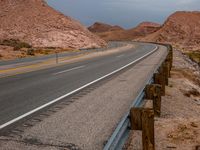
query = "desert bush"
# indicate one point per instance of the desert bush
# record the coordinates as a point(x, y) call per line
point(51, 48)
point(22, 45)
point(43, 51)
point(30, 52)
point(194, 56)
point(17, 44)
point(193, 92)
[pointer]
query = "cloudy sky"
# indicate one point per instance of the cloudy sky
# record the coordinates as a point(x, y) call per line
point(126, 13)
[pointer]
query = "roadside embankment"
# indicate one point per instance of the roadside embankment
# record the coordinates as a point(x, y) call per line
point(179, 125)
point(62, 59)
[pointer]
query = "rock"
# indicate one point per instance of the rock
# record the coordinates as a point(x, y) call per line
point(180, 29)
point(102, 27)
point(193, 124)
point(34, 22)
point(110, 33)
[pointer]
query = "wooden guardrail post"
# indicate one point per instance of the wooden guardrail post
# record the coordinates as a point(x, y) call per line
point(136, 118)
point(169, 58)
point(148, 129)
point(153, 92)
point(166, 72)
point(143, 119)
point(170, 55)
point(159, 78)
point(163, 75)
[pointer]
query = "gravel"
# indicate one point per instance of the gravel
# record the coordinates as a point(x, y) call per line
point(179, 125)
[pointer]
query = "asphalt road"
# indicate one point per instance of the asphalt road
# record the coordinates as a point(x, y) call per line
point(22, 93)
point(53, 56)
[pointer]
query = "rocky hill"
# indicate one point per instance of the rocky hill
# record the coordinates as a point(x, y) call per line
point(34, 22)
point(182, 29)
point(141, 30)
point(145, 28)
point(102, 27)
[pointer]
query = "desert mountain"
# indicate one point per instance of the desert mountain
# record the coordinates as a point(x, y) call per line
point(34, 22)
point(145, 28)
point(102, 27)
point(182, 29)
point(141, 30)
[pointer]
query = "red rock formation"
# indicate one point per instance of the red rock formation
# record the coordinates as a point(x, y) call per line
point(102, 27)
point(107, 32)
point(34, 22)
point(182, 29)
point(145, 28)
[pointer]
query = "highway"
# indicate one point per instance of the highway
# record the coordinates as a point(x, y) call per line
point(23, 94)
point(52, 56)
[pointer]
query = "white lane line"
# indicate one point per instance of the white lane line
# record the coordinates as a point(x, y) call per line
point(75, 68)
point(72, 92)
point(120, 56)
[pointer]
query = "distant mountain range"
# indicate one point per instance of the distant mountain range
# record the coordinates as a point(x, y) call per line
point(99, 27)
point(182, 29)
point(111, 33)
point(36, 23)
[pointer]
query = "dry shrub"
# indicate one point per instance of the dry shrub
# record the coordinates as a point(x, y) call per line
point(194, 56)
point(30, 52)
point(184, 132)
point(193, 92)
point(186, 73)
point(17, 44)
point(44, 51)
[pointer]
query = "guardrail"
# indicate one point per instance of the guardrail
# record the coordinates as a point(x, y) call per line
point(140, 117)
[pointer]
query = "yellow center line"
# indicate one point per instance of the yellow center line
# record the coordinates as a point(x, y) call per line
point(38, 66)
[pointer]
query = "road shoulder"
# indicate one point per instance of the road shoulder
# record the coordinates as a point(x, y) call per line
point(87, 119)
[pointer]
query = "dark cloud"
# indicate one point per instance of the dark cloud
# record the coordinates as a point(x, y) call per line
point(127, 13)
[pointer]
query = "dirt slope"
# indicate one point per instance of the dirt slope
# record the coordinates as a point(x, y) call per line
point(182, 29)
point(178, 127)
point(34, 22)
point(145, 28)
point(141, 30)
point(102, 27)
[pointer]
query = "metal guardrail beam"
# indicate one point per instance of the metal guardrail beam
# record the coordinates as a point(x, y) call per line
point(122, 131)
point(120, 135)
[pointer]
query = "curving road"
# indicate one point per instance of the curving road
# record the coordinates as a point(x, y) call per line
point(23, 94)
